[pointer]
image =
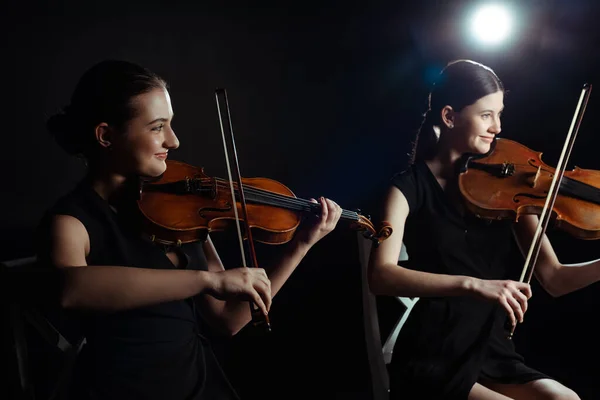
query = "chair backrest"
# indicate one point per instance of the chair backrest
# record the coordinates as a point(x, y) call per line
point(17, 273)
point(16, 320)
point(379, 376)
point(379, 355)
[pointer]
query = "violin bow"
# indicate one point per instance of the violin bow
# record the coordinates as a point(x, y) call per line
point(258, 318)
point(545, 216)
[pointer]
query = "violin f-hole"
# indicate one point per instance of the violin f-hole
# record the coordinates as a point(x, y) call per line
point(214, 209)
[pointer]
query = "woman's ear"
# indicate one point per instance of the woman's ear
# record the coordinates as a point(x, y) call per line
point(447, 117)
point(104, 135)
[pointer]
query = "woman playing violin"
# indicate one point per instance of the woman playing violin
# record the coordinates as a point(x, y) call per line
point(140, 305)
point(454, 345)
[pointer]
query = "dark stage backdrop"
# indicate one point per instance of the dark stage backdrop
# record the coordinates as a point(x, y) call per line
point(325, 100)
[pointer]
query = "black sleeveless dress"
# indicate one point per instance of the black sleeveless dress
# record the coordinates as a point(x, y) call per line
point(155, 352)
point(448, 344)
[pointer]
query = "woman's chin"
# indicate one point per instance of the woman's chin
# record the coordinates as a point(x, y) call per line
point(154, 171)
point(481, 147)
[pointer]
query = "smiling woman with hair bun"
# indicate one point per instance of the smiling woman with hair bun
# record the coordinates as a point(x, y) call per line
point(141, 306)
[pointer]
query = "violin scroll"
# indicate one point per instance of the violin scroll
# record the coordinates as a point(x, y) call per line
point(364, 224)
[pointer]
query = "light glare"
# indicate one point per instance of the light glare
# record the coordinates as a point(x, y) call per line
point(491, 23)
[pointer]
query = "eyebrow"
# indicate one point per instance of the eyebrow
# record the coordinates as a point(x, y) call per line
point(488, 110)
point(157, 120)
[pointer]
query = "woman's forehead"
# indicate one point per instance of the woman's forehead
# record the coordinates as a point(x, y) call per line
point(156, 103)
point(491, 101)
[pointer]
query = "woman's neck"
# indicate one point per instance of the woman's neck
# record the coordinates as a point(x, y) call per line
point(443, 166)
point(109, 185)
point(443, 163)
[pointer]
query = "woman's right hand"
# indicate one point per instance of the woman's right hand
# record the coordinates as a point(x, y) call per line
point(511, 295)
point(243, 283)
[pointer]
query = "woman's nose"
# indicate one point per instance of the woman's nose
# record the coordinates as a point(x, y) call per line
point(171, 139)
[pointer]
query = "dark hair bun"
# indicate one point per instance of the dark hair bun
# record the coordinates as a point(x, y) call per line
point(102, 95)
point(62, 127)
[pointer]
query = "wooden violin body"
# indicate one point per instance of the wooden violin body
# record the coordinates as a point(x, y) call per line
point(512, 180)
point(185, 205)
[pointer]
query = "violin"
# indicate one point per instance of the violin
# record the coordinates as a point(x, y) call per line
point(185, 205)
point(512, 180)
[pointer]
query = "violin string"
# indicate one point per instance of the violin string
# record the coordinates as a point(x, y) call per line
point(580, 189)
point(267, 197)
point(283, 198)
point(289, 200)
point(277, 199)
point(574, 186)
point(275, 196)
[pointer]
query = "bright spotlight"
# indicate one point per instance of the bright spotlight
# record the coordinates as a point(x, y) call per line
point(491, 23)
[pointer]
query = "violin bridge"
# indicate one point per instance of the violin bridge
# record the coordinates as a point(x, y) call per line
point(536, 177)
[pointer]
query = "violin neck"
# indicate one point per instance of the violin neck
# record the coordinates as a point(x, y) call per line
point(260, 196)
point(581, 190)
point(347, 215)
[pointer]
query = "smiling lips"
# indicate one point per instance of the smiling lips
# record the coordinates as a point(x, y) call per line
point(162, 156)
point(488, 139)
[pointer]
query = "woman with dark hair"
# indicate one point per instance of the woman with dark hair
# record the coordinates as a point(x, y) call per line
point(453, 344)
point(137, 304)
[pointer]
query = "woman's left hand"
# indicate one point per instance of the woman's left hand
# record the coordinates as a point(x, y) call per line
point(318, 226)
